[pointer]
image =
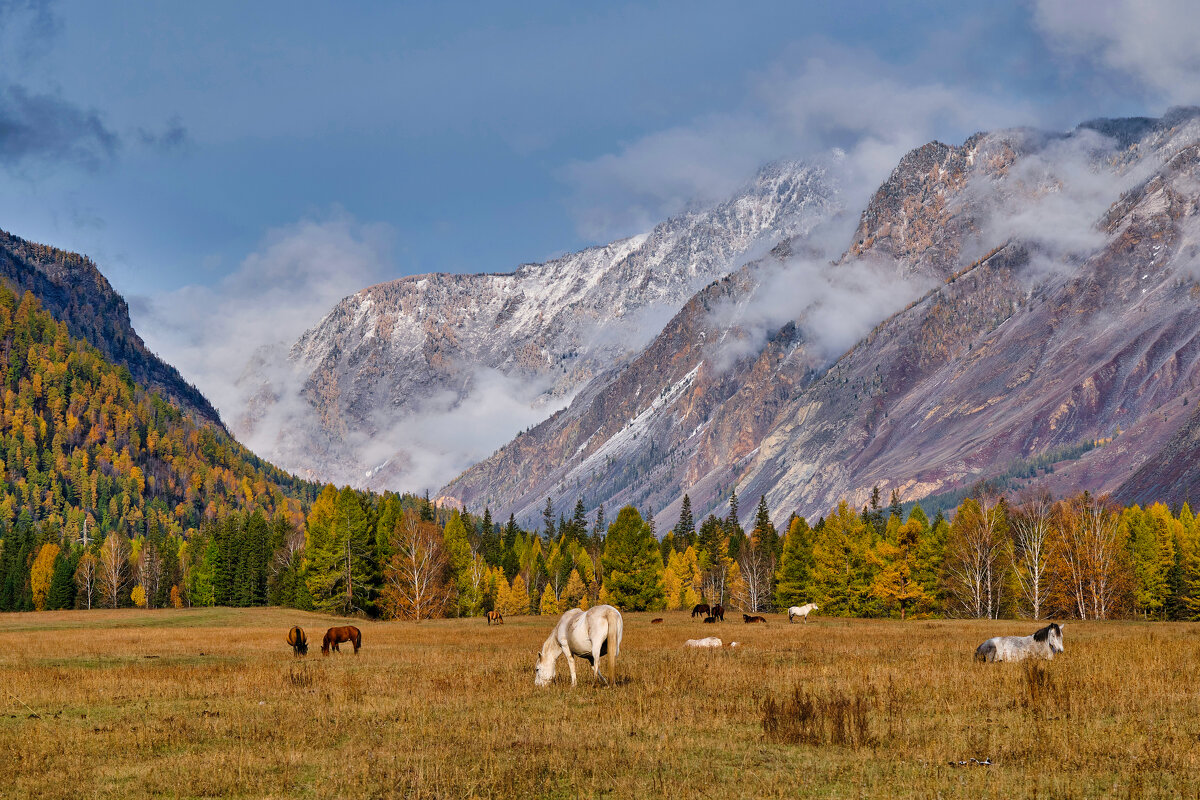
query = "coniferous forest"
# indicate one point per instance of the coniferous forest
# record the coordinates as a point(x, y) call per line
point(111, 497)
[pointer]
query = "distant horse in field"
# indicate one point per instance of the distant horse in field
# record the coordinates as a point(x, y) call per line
point(710, 620)
point(718, 611)
point(701, 608)
point(656, 620)
point(335, 636)
point(298, 641)
point(496, 617)
point(748, 619)
point(711, 641)
point(588, 634)
point(1042, 644)
point(802, 612)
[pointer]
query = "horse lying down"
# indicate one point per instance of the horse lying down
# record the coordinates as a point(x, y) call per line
point(708, 641)
point(1042, 644)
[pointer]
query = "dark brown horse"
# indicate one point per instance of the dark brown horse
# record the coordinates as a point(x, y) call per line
point(718, 611)
point(298, 641)
point(710, 619)
point(495, 616)
point(748, 619)
point(335, 636)
point(656, 620)
point(701, 609)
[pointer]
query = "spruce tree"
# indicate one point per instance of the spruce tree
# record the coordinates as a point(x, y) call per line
point(633, 564)
point(686, 527)
point(62, 584)
point(793, 578)
point(548, 528)
point(579, 526)
point(765, 535)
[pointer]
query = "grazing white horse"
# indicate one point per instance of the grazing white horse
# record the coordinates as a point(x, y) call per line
point(710, 641)
point(1042, 644)
point(802, 611)
point(588, 634)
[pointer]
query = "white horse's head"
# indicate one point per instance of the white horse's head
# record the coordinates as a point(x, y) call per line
point(1056, 642)
point(543, 671)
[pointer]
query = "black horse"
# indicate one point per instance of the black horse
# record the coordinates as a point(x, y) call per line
point(700, 609)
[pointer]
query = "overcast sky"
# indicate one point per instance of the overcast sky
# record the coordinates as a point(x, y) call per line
point(183, 145)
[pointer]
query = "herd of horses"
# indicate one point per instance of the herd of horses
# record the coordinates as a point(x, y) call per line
point(597, 632)
point(333, 637)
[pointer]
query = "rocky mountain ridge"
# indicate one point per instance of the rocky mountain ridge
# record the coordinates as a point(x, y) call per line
point(423, 353)
point(1064, 311)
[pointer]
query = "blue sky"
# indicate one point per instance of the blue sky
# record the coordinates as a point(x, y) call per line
point(188, 148)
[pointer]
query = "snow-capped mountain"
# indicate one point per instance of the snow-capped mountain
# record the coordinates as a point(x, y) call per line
point(403, 384)
point(1039, 296)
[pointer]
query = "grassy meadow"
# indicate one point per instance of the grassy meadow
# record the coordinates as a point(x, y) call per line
point(211, 703)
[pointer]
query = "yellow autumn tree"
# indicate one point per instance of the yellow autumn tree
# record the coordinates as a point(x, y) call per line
point(574, 592)
point(549, 604)
point(41, 573)
point(138, 596)
point(512, 600)
point(176, 598)
point(672, 587)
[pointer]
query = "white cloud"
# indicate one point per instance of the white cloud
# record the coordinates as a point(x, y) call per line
point(210, 333)
point(829, 99)
point(1152, 42)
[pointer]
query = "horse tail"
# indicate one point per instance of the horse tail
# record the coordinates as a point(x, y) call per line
point(614, 640)
point(357, 639)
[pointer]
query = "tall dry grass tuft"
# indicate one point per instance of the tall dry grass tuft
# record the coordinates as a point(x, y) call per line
point(839, 719)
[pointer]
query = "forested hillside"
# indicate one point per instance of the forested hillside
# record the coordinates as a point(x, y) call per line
point(72, 288)
point(88, 453)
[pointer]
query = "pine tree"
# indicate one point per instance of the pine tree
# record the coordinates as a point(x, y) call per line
point(579, 526)
point(632, 564)
point(894, 508)
point(765, 536)
point(62, 584)
point(459, 563)
point(338, 573)
point(685, 529)
point(548, 520)
point(793, 579)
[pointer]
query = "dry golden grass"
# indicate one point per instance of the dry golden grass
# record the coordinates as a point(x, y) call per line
point(211, 703)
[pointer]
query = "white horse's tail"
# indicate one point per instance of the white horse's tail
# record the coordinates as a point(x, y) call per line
point(613, 617)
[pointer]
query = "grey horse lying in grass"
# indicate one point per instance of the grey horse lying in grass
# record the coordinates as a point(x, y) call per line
point(1042, 644)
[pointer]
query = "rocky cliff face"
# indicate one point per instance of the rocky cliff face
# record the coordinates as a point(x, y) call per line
point(397, 365)
point(71, 288)
point(1064, 311)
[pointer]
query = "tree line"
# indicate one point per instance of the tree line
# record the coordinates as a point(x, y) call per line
point(399, 556)
point(109, 496)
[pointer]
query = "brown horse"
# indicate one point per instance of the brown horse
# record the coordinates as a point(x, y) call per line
point(748, 619)
point(710, 620)
point(298, 641)
point(656, 620)
point(718, 611)
point(701, 609)
point(495, 616)
point(335, 636)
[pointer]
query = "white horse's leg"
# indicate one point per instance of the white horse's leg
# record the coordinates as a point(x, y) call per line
point(570, 663)
point(597, 646)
